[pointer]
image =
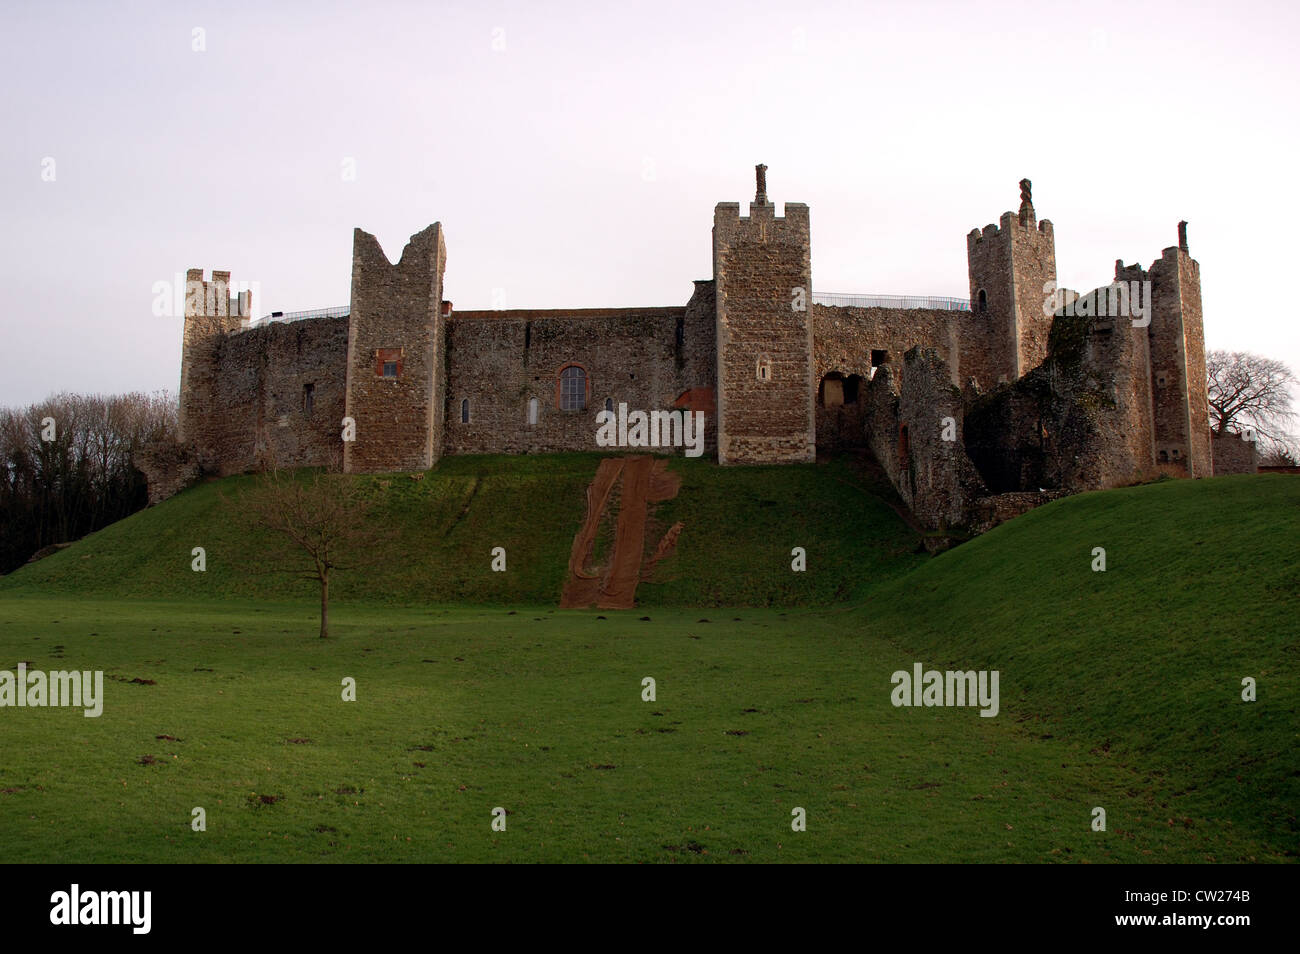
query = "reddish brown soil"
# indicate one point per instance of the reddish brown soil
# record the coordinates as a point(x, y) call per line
point(644, 481)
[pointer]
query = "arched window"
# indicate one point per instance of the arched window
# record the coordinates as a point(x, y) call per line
point(609, 405)
point(573, 388)
point(532, 412)
point(983, 301)
point(464, 411)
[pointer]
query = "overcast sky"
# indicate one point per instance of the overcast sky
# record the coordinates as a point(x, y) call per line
point(574, 152)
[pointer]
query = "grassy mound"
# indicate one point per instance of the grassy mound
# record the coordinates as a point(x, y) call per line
point(740, 527)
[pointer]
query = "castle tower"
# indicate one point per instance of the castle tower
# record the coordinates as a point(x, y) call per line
point(762, 272)
point(396, 375)
point(1009, 266)
point(1180, 403)
point(210, 315)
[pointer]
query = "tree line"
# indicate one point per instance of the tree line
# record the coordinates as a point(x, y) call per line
point(67, 466)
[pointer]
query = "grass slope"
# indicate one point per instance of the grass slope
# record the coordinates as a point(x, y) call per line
point(740, 527)
point(1119, 689)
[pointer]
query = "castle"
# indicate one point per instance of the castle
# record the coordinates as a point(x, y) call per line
point(975, 410)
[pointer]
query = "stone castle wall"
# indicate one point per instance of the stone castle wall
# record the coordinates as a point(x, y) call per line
point(762, 269)
point(500, 362)
point(279, 391)
point(1059, 403)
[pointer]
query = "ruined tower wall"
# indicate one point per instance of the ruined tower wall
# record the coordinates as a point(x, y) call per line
point(396, 318)
point(762, 269)
point(501, 361)
point(1182, 426)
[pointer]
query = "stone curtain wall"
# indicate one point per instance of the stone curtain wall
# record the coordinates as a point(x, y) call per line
point(260, 417)
point(499, 361)
point(396, 308)
point(759, 263)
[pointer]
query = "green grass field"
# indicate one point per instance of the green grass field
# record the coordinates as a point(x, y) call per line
point(1119, 690)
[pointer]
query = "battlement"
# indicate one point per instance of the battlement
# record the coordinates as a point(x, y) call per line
point(212, 298)
point(1011, 226)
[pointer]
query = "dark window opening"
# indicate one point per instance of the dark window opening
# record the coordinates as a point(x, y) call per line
point(388, 362)
point(983, 301)
point(609, 404)
point(308, 398)
point(852, 387)
point(573, 388)
point(464, 411)
point(879, 357)
point(1164, 457)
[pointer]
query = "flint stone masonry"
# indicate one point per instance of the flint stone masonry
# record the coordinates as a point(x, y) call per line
point(1042, 404)
point(762, 269)
point(399, 419)
point(1233, 455)
point(502, 361)
point(908, 421)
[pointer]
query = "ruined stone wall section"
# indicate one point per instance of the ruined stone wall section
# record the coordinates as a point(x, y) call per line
point(396, 316)
point(909, 418)
point(845, 337)
point(499, 362)
point(1232, 455)
point(765, 377)
point(1080, 421)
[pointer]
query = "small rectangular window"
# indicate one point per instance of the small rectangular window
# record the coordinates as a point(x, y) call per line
point(308, 398)
point(388, 362)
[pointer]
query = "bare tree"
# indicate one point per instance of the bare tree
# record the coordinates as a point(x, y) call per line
point(1250, 391)
point(317, 523)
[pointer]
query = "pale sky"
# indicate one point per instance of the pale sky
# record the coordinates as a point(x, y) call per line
point(574, 153)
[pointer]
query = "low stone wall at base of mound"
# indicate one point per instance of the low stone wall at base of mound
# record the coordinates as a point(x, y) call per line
point(991, 511)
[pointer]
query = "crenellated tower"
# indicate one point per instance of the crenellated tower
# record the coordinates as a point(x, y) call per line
point(1012, 274)
point(762, 272)
point(210, 314)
